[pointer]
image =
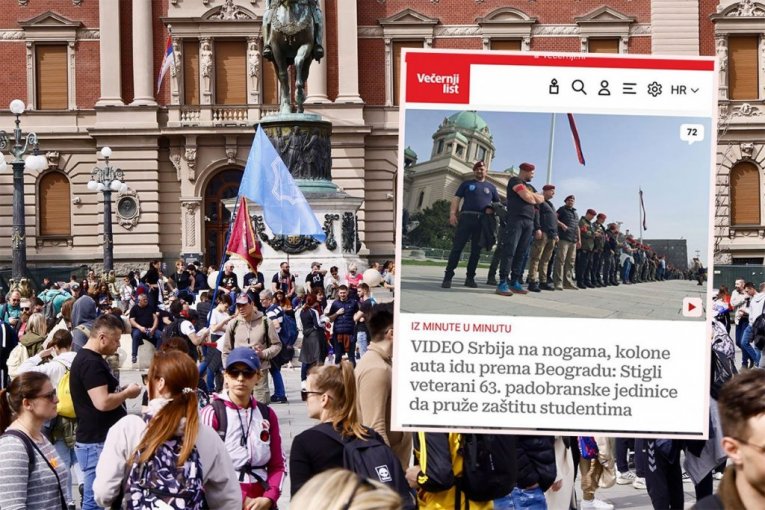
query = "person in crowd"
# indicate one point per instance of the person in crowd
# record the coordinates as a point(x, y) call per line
point(212, 366)
point(32, 476)
point(56, 294)
point(366, 302)
point(198, 279)
point(11, 310)
point(314, 349)
point(331, 398)
point(152, 280)
point(8, 342)
point(756, 308)
point(374, 375)
point(75, 290)
point(83, 316)
point(63, 431)
point(26, 312)
point(203, 308)
point(275, 316)
point(742, 416)
point(98, 403)
point(544, 243)
point(249, 329)
point(34, 334)
point(561, 493)
point(389, 277)
point(183, 327)
point(739, 301)
point(145, 325)
point(332, 282)
point(126, 294)
point(321, 300)
point(284, 280)
point(251, 432)
point(536, 471)
point(341, 314)
point(340, 489)
point(182, 282)
point(315, 279)
point(173, 418)
point(593, 473)
point(476, 196)
point(352, 280)
point(724, 296)
point(254, 283)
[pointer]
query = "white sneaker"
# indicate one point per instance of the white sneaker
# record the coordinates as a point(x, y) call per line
point(639, 483)
point(625, 478)
point(596, 504)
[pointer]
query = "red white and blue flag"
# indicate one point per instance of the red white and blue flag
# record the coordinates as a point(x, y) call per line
point(577, 142)
point(166, 62)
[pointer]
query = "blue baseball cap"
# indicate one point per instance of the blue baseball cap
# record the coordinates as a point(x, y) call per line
point(243, 355)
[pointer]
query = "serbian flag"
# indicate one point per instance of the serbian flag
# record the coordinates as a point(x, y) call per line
point(242, 241)
point(577, 142)
point(166, 62)
point(642, 209)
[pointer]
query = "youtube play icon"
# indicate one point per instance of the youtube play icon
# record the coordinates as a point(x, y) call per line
point(692, 307)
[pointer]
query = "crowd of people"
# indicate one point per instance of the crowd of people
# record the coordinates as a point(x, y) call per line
point(556, 248)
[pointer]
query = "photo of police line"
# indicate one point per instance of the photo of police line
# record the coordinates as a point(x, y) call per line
point(562, 249)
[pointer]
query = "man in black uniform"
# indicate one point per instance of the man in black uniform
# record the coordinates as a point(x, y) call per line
point(522, 200)
point(545, 239)
point(476, 195)
point(596, 268)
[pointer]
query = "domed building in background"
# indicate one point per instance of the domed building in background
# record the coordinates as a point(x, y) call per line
point(460, 140)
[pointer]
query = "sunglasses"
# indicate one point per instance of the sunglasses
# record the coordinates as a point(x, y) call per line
point(305, 393)
point(49, 396)
point(25, 309)
point(236, 372)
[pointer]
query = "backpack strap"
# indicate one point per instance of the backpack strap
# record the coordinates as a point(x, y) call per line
point(219, 408)
point(29, 445)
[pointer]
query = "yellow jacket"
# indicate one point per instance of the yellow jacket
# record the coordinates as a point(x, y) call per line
point(440, 465)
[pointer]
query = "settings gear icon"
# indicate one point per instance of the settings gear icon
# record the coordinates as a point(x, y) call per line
point(654, 89)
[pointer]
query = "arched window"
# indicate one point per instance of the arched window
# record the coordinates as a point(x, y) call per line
point(745, 194)
point(420, 199)
point(55, 207)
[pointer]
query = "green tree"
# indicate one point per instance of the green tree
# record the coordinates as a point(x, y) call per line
point(433, 230)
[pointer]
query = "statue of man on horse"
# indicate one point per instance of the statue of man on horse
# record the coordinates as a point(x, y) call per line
point(292, 34)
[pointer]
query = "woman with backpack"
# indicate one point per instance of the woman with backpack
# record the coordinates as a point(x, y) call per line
point(64, 426)
point(330, 396)
point(32, 476)
point(170, 453)
point(250, 431)
point(314, 349)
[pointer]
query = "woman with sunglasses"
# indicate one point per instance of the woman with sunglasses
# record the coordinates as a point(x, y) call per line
point(172, 421)
point(32, 476)
point(340, 489)
point(250, 431)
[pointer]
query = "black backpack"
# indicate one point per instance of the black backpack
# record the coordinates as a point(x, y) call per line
point(372, 459)
point(489, 470)
point(174, 329)
point(758, 332)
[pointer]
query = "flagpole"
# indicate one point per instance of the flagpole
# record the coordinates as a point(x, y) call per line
point(550, 151)
point(640, 213)
point(223, 258)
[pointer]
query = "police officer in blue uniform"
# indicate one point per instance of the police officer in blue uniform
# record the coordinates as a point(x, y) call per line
point(476, 196)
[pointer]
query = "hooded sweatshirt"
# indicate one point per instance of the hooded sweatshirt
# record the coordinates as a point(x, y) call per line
point(83, 314)
point(33, 342)
point(756, 307)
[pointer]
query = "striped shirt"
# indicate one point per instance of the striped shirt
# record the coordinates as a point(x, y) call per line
point(20, 489)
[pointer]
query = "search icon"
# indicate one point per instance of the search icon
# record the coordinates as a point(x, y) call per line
point(578, 86)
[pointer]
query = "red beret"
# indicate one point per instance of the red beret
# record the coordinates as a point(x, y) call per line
point(601, 215)
point(478, 163)
point(547, 187)
point(592, 211)
point(527, 167)
point(140, 290)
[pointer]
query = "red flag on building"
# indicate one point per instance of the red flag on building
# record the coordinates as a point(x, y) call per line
point(577, 142)
point(243, 241)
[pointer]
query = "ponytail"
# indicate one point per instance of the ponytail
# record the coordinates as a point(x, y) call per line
point(6, 413)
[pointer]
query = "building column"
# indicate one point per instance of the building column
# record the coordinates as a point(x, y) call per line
point(317, 77)
point(110, 58)
point(348, 66)
point(143, 54)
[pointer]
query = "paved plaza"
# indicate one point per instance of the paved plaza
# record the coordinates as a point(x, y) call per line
point(421, 292)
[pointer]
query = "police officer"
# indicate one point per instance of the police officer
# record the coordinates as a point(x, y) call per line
point(584, 256)
point(476, 195)
point(545, 240)
point(597, 252)
point(522, 200)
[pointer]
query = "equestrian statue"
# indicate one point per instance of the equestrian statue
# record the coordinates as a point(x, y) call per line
point(292, 34)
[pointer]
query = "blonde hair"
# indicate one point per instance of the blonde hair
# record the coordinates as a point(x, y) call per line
point(37, 325)
point(340, 489)
point(340, 382)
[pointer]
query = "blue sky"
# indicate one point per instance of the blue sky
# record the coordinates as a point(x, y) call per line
point(622, 152)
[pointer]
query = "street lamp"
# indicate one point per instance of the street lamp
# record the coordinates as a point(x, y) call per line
point(18, 146)
point(106, 180)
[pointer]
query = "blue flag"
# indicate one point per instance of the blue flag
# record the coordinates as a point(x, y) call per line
point(268, 182)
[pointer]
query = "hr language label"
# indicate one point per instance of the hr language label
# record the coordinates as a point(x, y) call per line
point(535, 373)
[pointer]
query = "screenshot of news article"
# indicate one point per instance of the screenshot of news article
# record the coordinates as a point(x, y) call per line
point(556, 242)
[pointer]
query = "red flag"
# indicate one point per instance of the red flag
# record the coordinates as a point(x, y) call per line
point(642, 208)
point(577, 142)
point(243, 241)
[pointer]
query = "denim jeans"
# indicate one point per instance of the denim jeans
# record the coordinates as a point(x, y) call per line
point(531, 499)
point(87, 457)
point(746, 343)
point(276, 375)
point(70, 461)
point(746, 351)
point(626, 270)
point(138, 337)
point(362, 340)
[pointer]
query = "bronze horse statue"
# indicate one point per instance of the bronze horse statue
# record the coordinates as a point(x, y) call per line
point(290, 30)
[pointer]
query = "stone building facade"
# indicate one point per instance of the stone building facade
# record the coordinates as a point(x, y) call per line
point(87, 71)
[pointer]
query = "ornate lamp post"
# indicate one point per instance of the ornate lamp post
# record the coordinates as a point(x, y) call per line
point(106, 180)
point(18, 146)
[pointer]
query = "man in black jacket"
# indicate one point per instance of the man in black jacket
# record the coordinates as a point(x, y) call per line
point(536, 470)
point(545, 240)
point(569, 243)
